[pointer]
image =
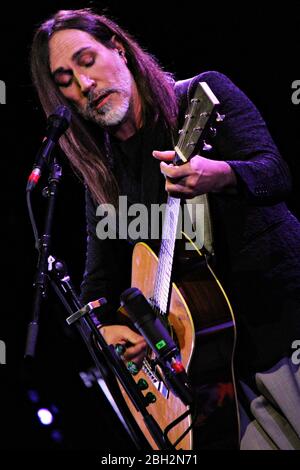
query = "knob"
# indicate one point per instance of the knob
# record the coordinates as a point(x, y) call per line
point(132, 367)
point(150, 398)
point(120, 349)
point(142, 384)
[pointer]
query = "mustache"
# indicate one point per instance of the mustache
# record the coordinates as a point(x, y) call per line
point(95, 96)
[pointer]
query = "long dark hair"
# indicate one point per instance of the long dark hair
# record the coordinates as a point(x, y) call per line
point(156, 88)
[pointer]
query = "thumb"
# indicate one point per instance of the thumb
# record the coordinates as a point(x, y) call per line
point(166, 155)
point(132, 337)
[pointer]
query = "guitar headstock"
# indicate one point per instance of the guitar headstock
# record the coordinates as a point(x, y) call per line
point(199, 121)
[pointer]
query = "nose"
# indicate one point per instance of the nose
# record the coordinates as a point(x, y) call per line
point(85, 83)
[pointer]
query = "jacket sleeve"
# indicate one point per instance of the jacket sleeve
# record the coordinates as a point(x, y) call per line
point(245, 143)
point(97, 279)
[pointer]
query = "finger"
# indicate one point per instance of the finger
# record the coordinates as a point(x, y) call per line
point(178, 190)
point(133, 352)
point(166, 155)
point(175, 172)
point(133, 338)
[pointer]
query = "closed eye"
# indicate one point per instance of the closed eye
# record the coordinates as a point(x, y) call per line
point(86, 61)
point(64, 85)
point(63, 79)
point(84, 58)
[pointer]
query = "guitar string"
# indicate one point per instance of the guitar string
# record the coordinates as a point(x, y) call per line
point(159, 276)
point(162, 284)
point(165, 256)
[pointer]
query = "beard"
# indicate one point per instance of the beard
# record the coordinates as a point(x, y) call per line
point(115, 110)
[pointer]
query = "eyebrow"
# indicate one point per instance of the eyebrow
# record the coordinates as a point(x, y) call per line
point(74, 57)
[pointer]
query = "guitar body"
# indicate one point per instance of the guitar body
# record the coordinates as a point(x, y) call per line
point(202, 323)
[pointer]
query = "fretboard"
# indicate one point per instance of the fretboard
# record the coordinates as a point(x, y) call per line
point(166, 255)
point(199, 114)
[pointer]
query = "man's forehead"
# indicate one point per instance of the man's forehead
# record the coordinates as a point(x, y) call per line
point(63, 44)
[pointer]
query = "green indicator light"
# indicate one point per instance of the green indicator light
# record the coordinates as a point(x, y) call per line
point(161, 344)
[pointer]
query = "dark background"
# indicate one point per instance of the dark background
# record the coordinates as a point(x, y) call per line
point(256, 45)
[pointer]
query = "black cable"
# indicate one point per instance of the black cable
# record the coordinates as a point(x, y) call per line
point(177, 421)
point(188, 429)
point(32, 221)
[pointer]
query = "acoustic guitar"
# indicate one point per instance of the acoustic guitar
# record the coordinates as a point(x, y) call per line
point(184, 291)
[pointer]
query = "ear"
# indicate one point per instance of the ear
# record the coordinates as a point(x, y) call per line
point(118, 45)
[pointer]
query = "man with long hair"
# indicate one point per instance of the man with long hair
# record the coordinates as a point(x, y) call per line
point(125, 115)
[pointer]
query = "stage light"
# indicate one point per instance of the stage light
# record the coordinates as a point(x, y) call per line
point(45, 416)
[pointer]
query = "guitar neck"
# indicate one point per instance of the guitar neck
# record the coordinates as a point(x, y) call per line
point(199, 115)
point(166, 255)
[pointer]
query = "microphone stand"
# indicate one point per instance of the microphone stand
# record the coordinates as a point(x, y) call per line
point(105, 357)
point(43, 246)
point(107, 361)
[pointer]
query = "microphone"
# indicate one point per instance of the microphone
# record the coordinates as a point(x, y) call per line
point(57, 124)
point(158, 338)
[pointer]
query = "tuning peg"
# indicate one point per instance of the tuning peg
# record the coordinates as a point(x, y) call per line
point(220, 117)
point(206, 147)
point(212, 132)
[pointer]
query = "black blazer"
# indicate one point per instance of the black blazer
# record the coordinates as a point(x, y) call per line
point(256, 238)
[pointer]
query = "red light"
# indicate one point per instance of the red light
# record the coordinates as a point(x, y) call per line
point(34, 176)
point(177, 367)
